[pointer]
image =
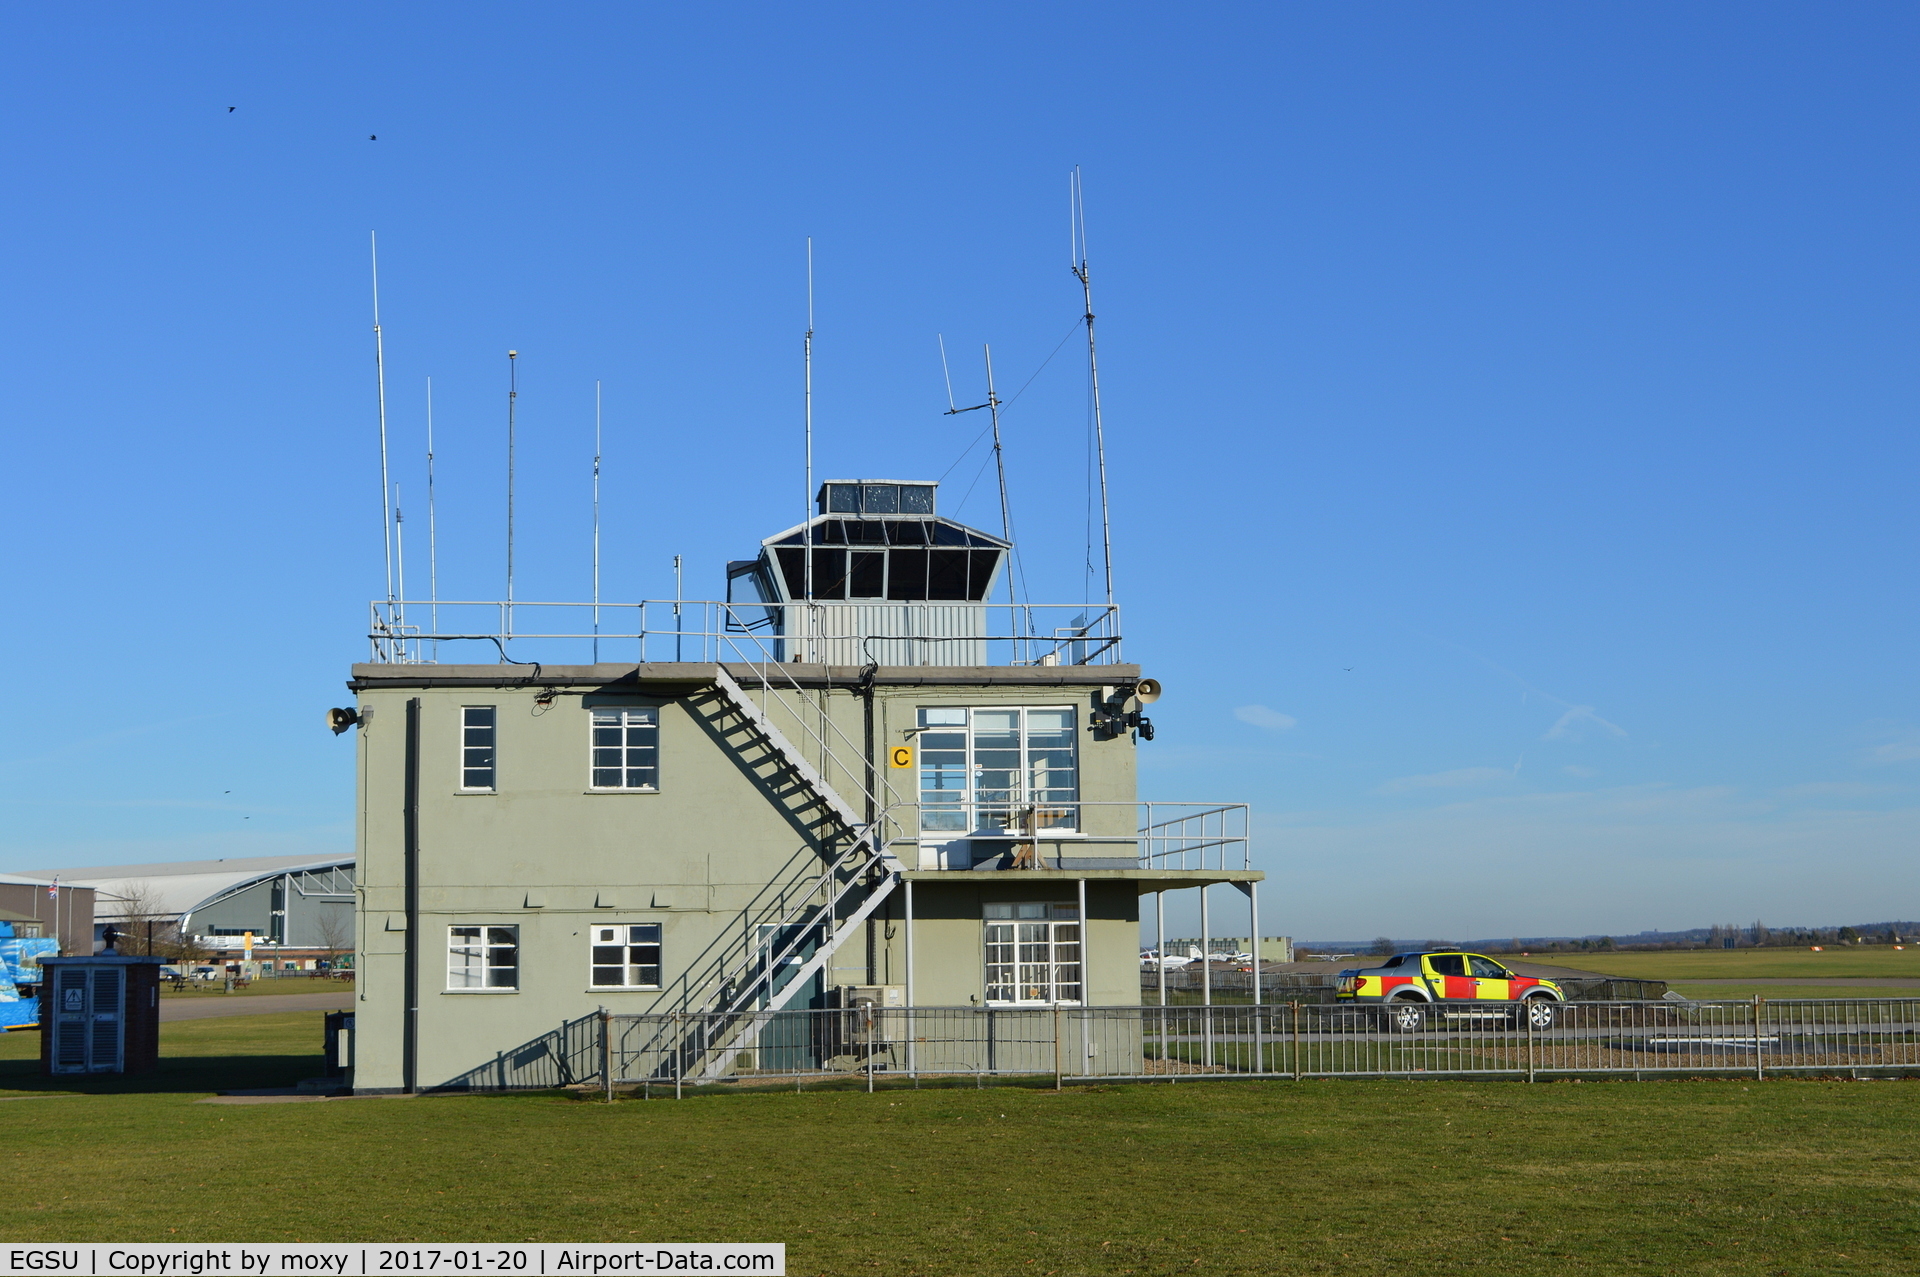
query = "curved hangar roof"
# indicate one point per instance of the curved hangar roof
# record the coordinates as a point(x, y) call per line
point(185, 886)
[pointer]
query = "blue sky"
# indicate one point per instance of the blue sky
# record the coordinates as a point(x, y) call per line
point(1511, 406)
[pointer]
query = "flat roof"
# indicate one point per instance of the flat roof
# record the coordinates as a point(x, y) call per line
point(366, 675)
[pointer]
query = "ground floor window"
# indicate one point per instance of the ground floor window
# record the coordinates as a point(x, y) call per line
point(1033, 954)
point(483, 957)
point(626, 956)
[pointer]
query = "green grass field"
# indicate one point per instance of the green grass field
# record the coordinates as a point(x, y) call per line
point(1735, 964)
point(1691, 1177)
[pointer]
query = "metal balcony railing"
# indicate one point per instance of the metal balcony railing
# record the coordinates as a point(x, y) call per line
point(1176, 836)
point(841, 633)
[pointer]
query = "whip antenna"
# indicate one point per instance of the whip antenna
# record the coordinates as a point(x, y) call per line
point(596, 522)
point(946, 372)
point(433, 548)
point(513, 397)
point(400, 564)
point(1077, 226)
point(380, 382)
point(807, 393)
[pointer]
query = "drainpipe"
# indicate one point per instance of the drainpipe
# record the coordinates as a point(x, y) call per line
point(871, 779)
point(864, 689)
point(410, 851)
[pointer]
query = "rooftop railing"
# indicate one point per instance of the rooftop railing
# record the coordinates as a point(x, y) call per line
point(836, 632)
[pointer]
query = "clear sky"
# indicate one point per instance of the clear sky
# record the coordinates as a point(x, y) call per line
point(1511, 406)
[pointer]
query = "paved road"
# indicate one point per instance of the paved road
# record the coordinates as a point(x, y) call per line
point(205, 1006)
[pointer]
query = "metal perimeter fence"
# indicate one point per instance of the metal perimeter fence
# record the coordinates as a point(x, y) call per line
point(661, 1053)
point(1279, 987)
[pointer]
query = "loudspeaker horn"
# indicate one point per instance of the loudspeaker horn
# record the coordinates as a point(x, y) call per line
point(341, 719)
point(1148, 690)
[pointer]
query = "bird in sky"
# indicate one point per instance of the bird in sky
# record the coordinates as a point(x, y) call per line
point(373, 137)
point(229, 110)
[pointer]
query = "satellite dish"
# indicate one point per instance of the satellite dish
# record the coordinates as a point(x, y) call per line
point(341, 719)
point(1148, 690)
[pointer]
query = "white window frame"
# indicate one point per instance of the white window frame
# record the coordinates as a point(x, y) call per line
point(493, 750)
point(466, 948)
point(594, 726)
point(1053, 813)
point(1061, 968)
point(623, 936)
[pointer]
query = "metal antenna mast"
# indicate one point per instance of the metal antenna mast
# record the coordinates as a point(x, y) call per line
point(596, 522)
point(513, 397)
point(806, 507)
point(433, 547)
point(999, 461)
point(400, 564)
point(380, 380)
point(1077, 202)
point(946, 372)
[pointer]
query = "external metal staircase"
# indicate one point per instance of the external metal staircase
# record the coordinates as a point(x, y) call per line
point(792, 928)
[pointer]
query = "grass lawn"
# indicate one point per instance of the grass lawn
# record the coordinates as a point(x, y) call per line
point(1734, 964)
point(1707, 1177)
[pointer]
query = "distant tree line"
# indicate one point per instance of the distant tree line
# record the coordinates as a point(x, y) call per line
point(1757, 935)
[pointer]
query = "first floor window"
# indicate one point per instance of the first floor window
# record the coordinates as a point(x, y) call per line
point(476, 746)
point(626, 747)
point(998, 768)
point(626, 956)
point(483, 957)
point(1033, 953)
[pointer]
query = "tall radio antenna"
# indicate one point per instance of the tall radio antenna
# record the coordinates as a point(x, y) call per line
point(380, 381)
point(433, 547)
point(993, 407)
point(806, 507)
point(596, 522)
point(999, 461)
point(400, 564)
point(1077, 230)
point(513, 397)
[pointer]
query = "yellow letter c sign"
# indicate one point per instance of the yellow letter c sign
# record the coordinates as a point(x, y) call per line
point(901, 756)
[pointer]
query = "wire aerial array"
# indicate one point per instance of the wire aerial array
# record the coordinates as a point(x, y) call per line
point(392, 516)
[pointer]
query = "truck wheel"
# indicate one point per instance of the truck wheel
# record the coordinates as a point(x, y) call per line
point(1406, 1016)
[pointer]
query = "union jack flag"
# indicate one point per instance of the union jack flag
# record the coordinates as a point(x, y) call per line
point(53, 889)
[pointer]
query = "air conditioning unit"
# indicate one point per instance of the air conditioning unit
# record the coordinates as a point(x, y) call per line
point(866, 1026)
point(877, 996)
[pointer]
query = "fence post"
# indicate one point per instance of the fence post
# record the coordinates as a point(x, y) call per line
point(1527, 1020)
point(1056, 1046)
point(679, 1051)
point(1759, 1064)
point(1296, 1039)
point(867, 1011)
point(606, 1053)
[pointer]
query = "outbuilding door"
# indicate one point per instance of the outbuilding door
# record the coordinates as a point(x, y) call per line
point(89, 1030)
